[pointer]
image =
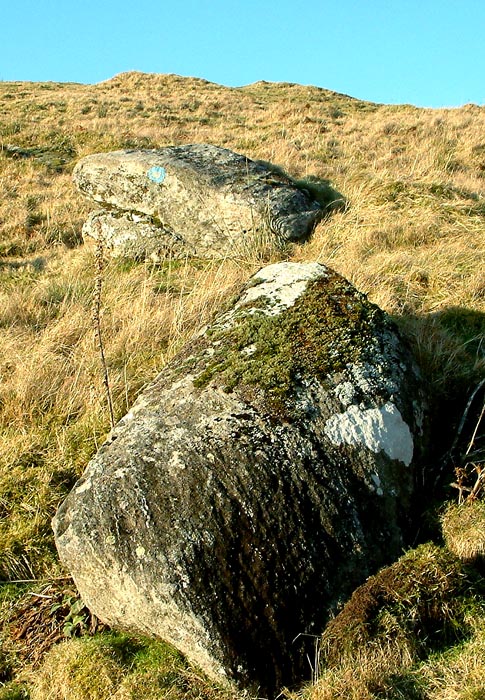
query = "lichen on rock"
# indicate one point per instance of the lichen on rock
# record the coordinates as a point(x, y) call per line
point(376, 428)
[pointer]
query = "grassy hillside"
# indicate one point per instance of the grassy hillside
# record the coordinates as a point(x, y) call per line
point(412, 236)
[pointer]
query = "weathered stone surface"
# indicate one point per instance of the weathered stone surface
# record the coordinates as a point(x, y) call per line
point(265, 473)
point(219, 202)
point(134, 236)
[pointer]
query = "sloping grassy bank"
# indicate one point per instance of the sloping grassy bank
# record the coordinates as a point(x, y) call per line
point(412, 237)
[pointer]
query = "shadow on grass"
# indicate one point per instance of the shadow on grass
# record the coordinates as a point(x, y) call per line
point(449, 347)
point(37, 264)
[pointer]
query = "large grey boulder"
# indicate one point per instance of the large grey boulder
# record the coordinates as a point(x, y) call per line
point(217, 201)
point(265, 473)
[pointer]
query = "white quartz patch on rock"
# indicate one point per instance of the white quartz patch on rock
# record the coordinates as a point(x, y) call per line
point(281, 284)
point(378, 429)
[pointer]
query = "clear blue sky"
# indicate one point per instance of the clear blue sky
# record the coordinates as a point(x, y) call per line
point(423, 52)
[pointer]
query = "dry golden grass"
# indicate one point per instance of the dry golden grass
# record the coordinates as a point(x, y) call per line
point(412, 237)
point(464, 529)
point(458, 674)
point(455, 674)
point(119, 667)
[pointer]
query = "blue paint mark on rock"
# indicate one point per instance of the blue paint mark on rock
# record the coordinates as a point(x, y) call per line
point(156, 174)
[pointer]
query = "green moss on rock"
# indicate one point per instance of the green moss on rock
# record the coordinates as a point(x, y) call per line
point(329, 326)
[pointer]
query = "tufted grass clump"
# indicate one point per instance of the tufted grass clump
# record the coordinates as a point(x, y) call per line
point(117, 666)
point(464, 529)
point(322, 192)
point(402, 629)
point(456, 674)
point(317, 188)
point(413, 607)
